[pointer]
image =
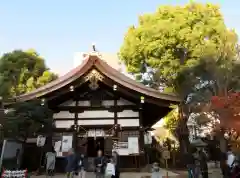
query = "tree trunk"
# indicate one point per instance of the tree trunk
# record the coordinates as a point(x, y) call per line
point(182, 129)
point(222, 141)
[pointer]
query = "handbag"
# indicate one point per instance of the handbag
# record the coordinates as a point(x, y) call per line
point(110, 169)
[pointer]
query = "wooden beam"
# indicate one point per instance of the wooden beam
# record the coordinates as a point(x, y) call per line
point(105, 127)
point(95, 118)
point(99, 108)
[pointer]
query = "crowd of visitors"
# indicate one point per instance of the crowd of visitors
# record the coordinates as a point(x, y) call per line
point(77, 164)
point(197, 164)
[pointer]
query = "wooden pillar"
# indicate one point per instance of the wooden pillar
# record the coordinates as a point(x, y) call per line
point(49, 129)
point(75, 128)
point(141, 131)
point(141, 136)
point(115, 112)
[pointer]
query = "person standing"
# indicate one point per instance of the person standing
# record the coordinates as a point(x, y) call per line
point(116, 163)
point(197, 164)
point(82, 166)
point(155, 170)
point(99, 163)
point(50, 162)
point(230, 161)
point(203, 163)
point(190, 162)
point(71, 164)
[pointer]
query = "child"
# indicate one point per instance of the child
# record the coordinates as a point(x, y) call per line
point(110, 169)
point(155, 170)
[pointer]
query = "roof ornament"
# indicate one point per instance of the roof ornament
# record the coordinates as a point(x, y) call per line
point(94, 77)
point(94, 47)
point(95, 52)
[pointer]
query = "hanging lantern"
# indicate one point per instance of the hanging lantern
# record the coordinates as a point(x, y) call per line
point(114, 87)
point(42, 101)
point(71, 88)
point(142, 99)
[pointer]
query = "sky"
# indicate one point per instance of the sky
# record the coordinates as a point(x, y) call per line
point(57, 29)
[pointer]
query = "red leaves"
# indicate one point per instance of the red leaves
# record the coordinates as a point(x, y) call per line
point(228, 109)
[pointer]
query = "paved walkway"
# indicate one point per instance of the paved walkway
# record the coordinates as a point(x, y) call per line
point(123, 175)
point(213, 173)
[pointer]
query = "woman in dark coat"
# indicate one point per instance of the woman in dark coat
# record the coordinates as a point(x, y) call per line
point(116, 162)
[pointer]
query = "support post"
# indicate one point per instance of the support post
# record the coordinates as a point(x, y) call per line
point(115, 119)
point(115, 113)
point(141, 134)
point(141, 129)
point(75, 128)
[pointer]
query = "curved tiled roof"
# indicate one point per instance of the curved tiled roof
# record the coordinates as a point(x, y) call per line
point(93, 60)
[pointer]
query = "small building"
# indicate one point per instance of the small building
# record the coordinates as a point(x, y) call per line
point(97, 107)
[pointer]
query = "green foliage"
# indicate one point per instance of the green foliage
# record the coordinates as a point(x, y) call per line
point(171, 121)
point(171, 44)
point(25, 119)
point(21, 72)
point(175, 37)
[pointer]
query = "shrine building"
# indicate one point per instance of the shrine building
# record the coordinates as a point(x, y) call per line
point(97, 107)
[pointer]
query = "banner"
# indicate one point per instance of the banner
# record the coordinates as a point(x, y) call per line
point(133, 146)
point(66, 142)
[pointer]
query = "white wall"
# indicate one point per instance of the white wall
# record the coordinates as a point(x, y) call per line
point(63, 114)
point(63, 124)
point(120, 102)
point(128, 113)
point(128, 122)
point(96, 114)
point(123, 122)
point(88, 115)
point(96, 122)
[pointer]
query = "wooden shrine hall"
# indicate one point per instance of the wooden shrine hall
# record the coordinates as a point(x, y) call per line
point(97, 107)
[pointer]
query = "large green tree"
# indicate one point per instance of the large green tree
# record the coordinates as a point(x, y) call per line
point(27, 119)
point(21, 72)
point(165, 44)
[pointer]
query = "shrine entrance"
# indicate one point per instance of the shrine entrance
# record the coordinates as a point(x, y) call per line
point(93, 145)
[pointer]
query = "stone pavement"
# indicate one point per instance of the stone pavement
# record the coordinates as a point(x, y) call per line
point(123, 175)
point(213, 173)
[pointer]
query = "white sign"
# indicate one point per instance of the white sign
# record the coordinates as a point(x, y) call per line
point(121, 148)
point(166, 154)
point(67, 143)
point(147, 138)
point(41, 141)
point(96, 133)
point(57, 146)
point(133, 146)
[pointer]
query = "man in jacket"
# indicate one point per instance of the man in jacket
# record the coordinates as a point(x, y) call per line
point(82, 166)
point(100, 164)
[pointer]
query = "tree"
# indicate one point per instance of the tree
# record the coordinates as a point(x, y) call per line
point(228, 109)
point(171, 121)
point(171, 41)
point(26, 119)
point(21, 72)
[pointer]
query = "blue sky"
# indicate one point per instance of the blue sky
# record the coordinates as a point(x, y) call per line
point(59, 28)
